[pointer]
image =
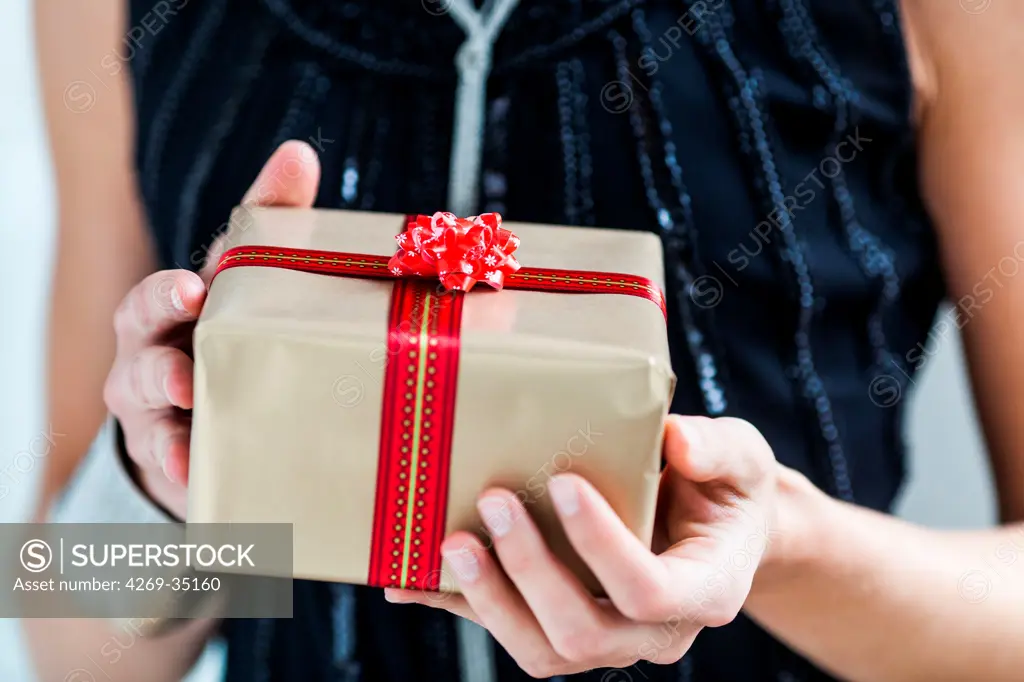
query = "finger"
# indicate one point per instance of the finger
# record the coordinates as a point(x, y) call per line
point(171, 495)
point(159, 442)
point(156, 306)
point(577, 627)
point(176, 452)
point(672, 587)
point(155, 378)
point(728, 450)
point(453, 603)
point(498, 606)
point(290, 177)
point(636, 581)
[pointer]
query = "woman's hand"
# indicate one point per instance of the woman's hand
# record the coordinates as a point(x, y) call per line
point(149, 388)
point(715, 517)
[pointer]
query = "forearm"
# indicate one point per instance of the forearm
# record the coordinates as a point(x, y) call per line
point(872, 598)
point(79, 356)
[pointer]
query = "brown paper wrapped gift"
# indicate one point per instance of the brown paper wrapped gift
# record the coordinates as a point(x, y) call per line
point(293, 397)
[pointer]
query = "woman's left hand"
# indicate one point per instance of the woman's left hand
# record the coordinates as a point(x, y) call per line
point(715, 517)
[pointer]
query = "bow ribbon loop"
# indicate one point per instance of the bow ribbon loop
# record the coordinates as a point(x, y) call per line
point(458, 251)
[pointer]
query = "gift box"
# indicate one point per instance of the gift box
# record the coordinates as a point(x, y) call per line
point(354, 388)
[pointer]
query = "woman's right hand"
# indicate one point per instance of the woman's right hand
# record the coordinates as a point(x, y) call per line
point(149, 388)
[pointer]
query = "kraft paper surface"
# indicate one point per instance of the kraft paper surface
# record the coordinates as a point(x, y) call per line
point(289, 370)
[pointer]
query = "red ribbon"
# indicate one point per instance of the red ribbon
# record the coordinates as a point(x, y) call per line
point(421, 371)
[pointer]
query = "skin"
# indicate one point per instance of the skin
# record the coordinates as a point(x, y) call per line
point(863, 595)
point(871, 598)
point(716, 498)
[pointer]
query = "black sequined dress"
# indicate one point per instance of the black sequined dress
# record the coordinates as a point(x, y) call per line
point(768, 142)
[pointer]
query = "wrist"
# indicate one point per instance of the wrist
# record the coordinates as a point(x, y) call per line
point(800, 529)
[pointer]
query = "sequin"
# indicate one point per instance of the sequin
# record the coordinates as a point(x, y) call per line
point(746, 106)
point(377, 156)
point(875, 259)
point(310, 90)
point(350, 181)
point(171, 100)
point(678, 230)
point(352, 165)
point(567, 133)
point(588, 28)
point(495, 183)
point(324, 41)
point(430, 150)
point(584, 156)
point(196, 178)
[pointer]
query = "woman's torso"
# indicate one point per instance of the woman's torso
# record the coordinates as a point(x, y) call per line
point(704, 122)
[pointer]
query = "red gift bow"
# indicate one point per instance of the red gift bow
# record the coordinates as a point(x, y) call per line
point(421, 372)
point(459, 251)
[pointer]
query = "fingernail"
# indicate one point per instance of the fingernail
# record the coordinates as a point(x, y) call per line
point(306, 152)
point(161, 443)
point(464, 563)
point(496, 515)
point(565, 495)
point(393, 598)
point(165, 458)
point(167, 470)
point(176, 299)
point(167, 388)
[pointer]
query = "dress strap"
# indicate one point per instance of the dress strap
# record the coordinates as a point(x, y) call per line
point(473, 62)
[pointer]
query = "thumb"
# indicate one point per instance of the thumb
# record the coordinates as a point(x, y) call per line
point(290, 177)
point(724, 450)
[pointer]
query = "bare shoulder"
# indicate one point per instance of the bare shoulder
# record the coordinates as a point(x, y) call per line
point(965, 58)
point(86, 99)
point(960, 46)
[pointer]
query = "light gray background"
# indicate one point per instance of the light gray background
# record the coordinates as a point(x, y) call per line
point(950, 485)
